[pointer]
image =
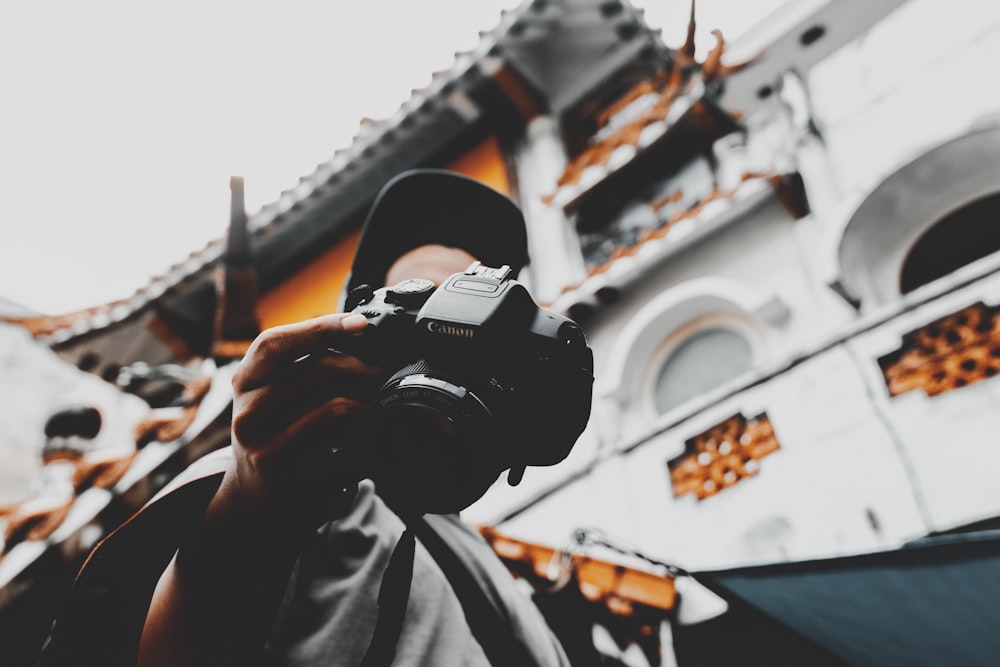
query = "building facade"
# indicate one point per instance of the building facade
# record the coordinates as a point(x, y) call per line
point(828, 335)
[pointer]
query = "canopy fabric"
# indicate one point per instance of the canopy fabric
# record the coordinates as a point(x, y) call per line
point(933, 602)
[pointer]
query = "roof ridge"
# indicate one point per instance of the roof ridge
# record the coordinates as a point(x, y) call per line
point(57, 329)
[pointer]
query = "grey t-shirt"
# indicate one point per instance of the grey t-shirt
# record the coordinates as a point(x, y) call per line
point(330, 607)
point(329, 611)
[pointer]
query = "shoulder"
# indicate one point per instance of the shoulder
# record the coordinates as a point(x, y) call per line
point(210, 465)
point(101, 619)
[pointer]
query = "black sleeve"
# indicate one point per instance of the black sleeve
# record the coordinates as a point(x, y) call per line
point(101, 620)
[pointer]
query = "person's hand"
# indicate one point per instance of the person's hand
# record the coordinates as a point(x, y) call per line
point(297, 405)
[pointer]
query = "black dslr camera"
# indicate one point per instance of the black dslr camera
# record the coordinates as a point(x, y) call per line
point(483, 380)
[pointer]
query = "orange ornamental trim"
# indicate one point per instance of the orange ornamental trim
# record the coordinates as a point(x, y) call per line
point(712, 68)
point(38, 518)
point(168, 424)
point(669, 84)
point(102, 472)
point(784, 188)
point(619, 588)
point(654, 84)
point(668, 88)
point(44, 325)
point(33, 521)
point(722, 456)
point(949, 353)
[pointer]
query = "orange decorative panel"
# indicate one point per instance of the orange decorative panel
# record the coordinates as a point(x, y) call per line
point(315, 289)
point(722, 456)
point(312, 291)
point(951, 352)
point(485, 162)
point(621, 589)
point(631, 604)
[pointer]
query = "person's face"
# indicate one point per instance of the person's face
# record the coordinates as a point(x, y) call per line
point(431, 262)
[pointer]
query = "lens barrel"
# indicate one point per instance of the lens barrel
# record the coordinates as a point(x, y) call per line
point(435, 442)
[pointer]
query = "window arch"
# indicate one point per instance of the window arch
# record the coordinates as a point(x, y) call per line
point(892, 243)
point(702, 361)
point(672, 333)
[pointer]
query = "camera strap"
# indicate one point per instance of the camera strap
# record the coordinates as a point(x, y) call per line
point(393, 595)
point(494, 634)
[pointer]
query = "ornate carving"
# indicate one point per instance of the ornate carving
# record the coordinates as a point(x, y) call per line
point(722, 456)
point(951, 352)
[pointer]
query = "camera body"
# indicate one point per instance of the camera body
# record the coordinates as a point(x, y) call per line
point(482, 380)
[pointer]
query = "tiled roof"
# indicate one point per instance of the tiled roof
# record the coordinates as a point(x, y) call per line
point(54, 329)
point(611, 153)
point(62, 328)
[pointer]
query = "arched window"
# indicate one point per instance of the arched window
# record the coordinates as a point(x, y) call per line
point(933, 215)
point(961, 237)
point(704, 361)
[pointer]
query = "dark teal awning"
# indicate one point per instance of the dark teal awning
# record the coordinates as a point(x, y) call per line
point(934, 602)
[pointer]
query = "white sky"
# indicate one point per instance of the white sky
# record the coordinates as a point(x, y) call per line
point(121, 122)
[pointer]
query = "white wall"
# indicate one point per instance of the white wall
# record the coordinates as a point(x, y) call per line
point(850, 455)
point(856, 470)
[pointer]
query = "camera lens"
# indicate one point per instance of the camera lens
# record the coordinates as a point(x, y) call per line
point(434, 443)
point(425, 428)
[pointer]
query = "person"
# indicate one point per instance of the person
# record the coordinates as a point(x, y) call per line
point(253, 556)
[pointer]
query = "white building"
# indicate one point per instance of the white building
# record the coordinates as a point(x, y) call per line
point(744, 310)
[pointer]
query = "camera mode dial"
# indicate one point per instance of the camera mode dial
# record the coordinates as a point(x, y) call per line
point(409, 293)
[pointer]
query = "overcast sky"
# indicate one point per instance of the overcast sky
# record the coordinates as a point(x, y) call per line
point(122, 121)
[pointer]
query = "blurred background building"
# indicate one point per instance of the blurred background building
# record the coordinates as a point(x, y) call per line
point(784, 256)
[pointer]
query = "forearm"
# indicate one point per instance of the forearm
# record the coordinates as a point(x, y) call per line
point(218, 598)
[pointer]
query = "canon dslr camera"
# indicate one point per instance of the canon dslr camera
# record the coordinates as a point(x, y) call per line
point(482, 381)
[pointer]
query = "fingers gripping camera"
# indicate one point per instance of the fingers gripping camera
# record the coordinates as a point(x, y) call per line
point(483, 380)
